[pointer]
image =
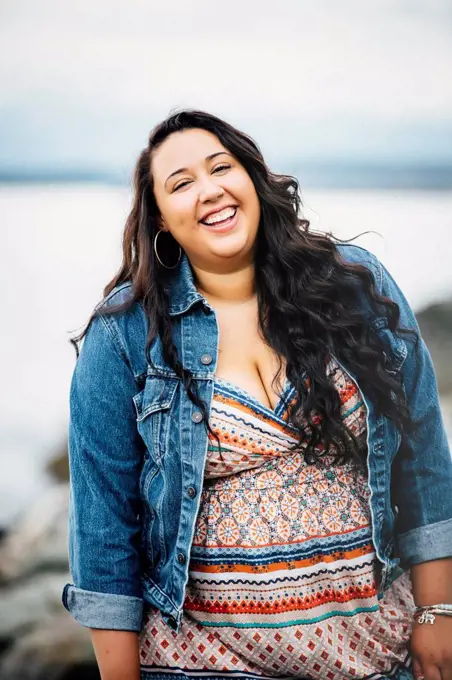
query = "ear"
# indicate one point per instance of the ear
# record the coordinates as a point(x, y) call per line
point(161, 224)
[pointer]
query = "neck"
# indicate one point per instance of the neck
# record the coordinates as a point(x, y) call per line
point(235, 286)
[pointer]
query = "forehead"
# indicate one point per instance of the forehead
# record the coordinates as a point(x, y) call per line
point(183, 150)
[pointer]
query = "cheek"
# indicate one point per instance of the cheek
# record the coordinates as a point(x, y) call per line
point(181, 210)
point(254, 202)
point(243, 189)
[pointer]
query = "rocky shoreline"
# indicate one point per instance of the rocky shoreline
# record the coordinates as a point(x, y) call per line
point(435, 322)
point(38, 639)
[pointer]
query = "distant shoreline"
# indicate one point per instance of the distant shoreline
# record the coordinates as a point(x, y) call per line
point(313, 175)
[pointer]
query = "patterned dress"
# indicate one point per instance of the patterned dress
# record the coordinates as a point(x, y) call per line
point(282, 574)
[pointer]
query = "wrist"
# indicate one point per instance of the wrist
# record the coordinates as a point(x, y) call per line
point(428, 614)
point(432, 582)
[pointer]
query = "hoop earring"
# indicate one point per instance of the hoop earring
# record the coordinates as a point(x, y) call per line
point(158, 257)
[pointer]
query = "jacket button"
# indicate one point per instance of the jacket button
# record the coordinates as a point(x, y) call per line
point(196, 416)
point(206, 359)
point(181, 558)
point(191, 491)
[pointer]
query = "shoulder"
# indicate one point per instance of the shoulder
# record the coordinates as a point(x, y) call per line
point(385, 283)
point(125, 321)
point(359, 255)
point(119, 295)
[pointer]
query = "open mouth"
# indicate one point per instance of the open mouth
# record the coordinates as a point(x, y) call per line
point(222, 219)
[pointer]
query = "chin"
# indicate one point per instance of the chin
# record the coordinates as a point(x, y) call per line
point(233, 248)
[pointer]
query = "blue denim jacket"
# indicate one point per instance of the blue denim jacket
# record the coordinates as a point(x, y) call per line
point(138, 445)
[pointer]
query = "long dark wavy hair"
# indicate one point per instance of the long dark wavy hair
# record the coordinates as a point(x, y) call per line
point(308, 297)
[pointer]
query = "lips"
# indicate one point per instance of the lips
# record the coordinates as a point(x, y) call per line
point(214, 213)
point(223, 226)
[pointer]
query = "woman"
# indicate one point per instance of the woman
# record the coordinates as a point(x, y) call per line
point(261, 481)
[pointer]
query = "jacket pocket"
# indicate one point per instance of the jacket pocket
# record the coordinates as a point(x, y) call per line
point(395, 348)
point(156, 416)
point(154, 407)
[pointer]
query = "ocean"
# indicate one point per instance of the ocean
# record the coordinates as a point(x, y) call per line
point(62, 243)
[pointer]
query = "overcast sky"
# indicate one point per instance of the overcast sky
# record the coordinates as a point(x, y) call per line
point(83, 81)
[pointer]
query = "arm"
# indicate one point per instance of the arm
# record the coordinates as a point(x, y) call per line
point(422, 492)
point(105, 460)
point(430, 644)
point(432, 582)
point(422, 469)
point(117, 654)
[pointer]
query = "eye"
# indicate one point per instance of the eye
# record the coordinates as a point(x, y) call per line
point(225, 166)
point(182, 184)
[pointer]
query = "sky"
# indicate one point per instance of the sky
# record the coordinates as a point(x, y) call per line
point(82, 82)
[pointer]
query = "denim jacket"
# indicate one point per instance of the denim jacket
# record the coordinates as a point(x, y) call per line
point(138, 445)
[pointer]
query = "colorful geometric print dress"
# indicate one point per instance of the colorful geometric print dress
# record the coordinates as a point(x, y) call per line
point(282, 577)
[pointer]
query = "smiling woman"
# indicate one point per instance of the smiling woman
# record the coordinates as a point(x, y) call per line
point(260, 475)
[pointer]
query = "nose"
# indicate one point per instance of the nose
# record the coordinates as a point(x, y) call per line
point(210, 190)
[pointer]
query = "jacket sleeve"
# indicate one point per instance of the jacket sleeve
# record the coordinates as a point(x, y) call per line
point(105, 459)
point(422, 469)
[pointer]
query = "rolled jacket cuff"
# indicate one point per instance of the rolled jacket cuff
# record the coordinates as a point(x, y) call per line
point(103, 610)
point(430, 542)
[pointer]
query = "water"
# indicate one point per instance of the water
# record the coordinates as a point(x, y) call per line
point(61, 245)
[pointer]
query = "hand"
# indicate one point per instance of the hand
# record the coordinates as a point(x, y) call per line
point(431, 649)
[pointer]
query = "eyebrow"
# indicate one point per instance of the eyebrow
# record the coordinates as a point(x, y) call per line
point(208, 158)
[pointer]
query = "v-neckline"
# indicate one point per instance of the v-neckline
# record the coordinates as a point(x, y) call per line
point(275, 412)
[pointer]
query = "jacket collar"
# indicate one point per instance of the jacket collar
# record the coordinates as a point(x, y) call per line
point(181, 289)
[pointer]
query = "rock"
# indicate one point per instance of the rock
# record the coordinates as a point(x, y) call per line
point(57, 649)
point(27, 604)
point(435, 322)
point(58, 466)
point(39, 539)
point(446, 408)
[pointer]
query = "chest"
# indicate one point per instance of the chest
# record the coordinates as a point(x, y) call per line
point(244, 357)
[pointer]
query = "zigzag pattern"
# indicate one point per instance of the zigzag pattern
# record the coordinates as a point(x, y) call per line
point(290, 579)
point(348, 594)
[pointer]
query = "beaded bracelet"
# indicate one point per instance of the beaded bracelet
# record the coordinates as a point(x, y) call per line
point(427, 613)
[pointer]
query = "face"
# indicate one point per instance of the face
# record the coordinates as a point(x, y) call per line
point(206, 199)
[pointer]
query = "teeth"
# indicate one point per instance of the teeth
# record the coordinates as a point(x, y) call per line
point(221, 216)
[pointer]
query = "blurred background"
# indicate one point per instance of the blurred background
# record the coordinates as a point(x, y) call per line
point(353, 98)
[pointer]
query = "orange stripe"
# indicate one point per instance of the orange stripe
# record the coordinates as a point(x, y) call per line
point(278, 566)
point(283, 605)
point(251, 587)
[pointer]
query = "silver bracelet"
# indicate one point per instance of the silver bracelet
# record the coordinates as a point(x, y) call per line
point(427, 613)
point(446, 607)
